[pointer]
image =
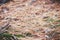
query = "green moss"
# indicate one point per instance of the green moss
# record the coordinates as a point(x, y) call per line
point(58, 25)
point(6, 35)
point(48, 19)
point(19, 35)
point(58, 21)
point(10, 35)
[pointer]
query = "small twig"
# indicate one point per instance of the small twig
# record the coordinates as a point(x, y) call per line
point(4, 27)
point(52, 35)
point(14, 37)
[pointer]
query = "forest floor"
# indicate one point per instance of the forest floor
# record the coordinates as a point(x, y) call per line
point(32, 19)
